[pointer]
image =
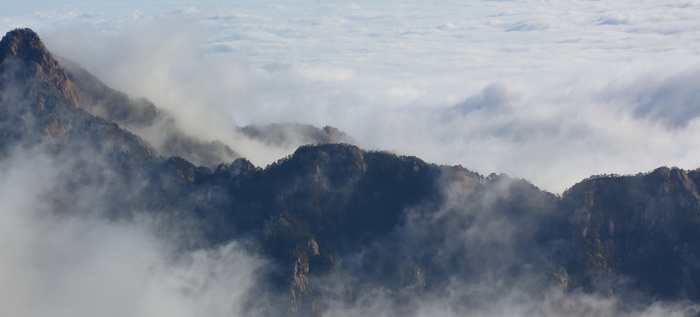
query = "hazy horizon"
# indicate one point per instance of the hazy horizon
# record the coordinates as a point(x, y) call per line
point(550, 92)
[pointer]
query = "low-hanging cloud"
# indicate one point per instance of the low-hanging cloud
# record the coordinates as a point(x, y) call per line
point(475, 255)
point(573, 93)
point(517, 303)
point(486, 259)
point(551, 94)
point(78, 262)
point(500, 112)
point(206, 95)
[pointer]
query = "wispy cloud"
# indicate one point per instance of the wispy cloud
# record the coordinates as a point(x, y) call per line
point(78, 263)
point(385, 72)
point(552, 93)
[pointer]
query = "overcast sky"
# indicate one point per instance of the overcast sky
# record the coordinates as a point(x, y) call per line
point(548, 91)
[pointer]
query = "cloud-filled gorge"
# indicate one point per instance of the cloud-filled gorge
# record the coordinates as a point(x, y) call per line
point(330, 159)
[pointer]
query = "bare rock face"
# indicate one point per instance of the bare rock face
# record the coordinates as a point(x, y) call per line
point(25, 43)
point(40, 100)
point(644, 229)
point(31, 74)
point(24, 59)
point(299, 285)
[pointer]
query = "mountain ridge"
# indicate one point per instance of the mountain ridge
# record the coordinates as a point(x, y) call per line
point(336, 221)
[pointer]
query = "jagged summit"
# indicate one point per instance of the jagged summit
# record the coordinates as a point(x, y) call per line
point(26, 45)
point(48, 83)
point(40, 101)
point(52, 88)
point(25, 61)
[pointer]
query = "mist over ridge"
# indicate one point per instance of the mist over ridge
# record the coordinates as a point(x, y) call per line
point(168, 221)
point(331, 229)
point(578, 95)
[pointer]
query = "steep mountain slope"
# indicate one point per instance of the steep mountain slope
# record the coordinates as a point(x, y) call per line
point(343, 226)
point(40, 103)
point(142, 117)
point(643, 229)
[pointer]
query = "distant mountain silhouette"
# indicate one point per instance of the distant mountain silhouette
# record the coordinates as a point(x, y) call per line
point(282, 134)
point(337, 221)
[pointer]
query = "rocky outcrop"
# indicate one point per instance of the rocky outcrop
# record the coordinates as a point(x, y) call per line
point(641, 229)
point(40, 101)
point(24, 61)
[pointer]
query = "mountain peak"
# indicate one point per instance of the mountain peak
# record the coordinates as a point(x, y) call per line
point(25, 45)
point(25, 61)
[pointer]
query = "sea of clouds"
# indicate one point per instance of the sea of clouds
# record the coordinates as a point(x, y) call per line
point(548, 91)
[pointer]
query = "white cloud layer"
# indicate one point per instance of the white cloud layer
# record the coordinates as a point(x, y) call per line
point(84, 265)
point(549, 91)
point(552, 92)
